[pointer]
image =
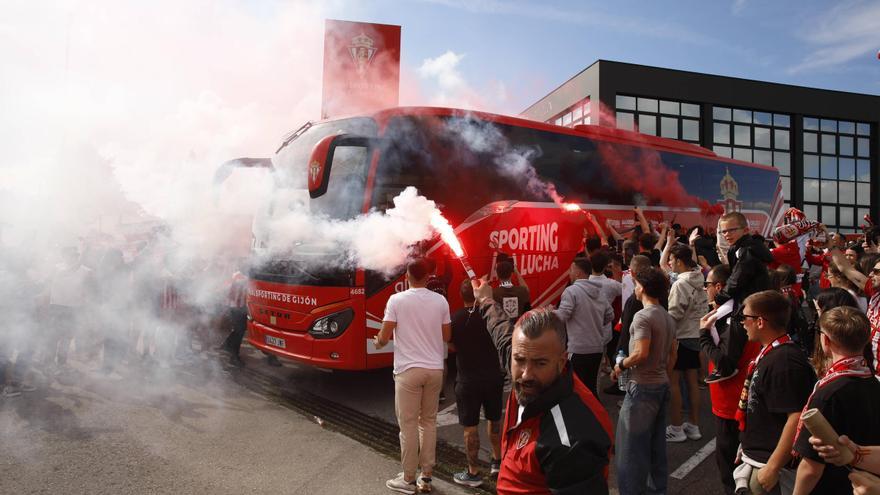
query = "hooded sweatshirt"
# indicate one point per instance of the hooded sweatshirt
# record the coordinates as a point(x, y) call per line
point(587, 315)
point(687, 304)
point(748, 260)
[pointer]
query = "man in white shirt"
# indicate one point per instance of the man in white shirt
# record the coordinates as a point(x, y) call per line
point(419, 320)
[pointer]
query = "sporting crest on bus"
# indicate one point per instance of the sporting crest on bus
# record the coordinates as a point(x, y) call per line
point(729, 193)
point(314, 171)
point(362, 50)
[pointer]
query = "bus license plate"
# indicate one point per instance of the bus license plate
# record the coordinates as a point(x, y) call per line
point(275, 341)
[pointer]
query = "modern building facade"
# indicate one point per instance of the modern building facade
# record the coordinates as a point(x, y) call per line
point(824, 143)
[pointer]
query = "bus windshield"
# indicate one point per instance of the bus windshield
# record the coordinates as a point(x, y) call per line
point(313, 264)
point(345, 196)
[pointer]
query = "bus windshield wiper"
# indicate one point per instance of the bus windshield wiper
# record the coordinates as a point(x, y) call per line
point(293, 135)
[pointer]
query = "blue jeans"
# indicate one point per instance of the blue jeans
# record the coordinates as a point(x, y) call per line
point(641, 440)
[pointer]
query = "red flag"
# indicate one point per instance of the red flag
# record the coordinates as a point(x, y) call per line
point(361, 67)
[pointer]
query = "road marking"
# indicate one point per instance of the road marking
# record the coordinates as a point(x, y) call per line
point(694, 461)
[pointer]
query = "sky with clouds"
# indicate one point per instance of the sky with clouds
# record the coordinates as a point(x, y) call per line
point(143, 100)
point(135, 84)
point(514, 52)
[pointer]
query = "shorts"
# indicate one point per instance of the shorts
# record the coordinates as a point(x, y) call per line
point(688, 357)
point(471, 396)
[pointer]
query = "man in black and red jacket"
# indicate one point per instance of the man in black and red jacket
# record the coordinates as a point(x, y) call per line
point(557, 437)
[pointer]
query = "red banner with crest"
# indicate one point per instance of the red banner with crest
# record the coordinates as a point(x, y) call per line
point(361, 67)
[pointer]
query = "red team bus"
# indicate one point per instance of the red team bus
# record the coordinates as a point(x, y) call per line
point(475, 166)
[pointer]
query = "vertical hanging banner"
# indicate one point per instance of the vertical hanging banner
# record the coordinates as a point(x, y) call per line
point(361, 67)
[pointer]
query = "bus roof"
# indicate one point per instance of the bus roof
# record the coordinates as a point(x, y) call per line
point(596, 132)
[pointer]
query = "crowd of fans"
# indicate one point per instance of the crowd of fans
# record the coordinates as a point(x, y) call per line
point(772, 327)
point(116, 315)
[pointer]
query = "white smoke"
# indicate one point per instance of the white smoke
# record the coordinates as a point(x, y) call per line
point(515, 162)
point(116, 116)
point(377, 241)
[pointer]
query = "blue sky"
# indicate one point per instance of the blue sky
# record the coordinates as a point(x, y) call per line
point(514, 52)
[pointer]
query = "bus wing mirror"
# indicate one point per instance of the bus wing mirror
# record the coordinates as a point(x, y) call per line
point(321, 160)
point(225, 170)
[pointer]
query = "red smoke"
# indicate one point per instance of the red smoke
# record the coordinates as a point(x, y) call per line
point(708, 209)
point(642, 171)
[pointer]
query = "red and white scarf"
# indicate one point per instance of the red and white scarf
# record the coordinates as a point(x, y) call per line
point(750, 373)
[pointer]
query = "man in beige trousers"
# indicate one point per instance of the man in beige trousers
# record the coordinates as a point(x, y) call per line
point(419, 320)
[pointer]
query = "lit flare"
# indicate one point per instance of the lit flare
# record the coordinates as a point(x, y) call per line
point(560, 201)
point(441, 225)
point(447, 233)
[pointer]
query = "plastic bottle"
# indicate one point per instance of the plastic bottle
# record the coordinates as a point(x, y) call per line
point(623, 377)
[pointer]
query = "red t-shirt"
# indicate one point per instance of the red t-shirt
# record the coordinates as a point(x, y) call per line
point(725, 395)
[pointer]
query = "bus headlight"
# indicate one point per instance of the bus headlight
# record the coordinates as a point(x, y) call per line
point(331, 326)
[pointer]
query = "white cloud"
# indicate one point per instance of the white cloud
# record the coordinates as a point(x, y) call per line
point(840, 35)
point(738, 6)
point(442, 83)
point(444, 70)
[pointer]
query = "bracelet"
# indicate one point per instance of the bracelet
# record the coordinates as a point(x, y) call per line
point(859, 455)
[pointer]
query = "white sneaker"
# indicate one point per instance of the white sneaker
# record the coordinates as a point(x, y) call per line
point(691, 430)
point(399, 484)
point(675, 434)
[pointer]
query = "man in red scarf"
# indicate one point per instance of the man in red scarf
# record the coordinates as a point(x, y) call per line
point(778, 383)
point(871, 283)
point(847, 395)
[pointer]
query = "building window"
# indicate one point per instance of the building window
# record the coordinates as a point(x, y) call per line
point(666, 118)
point(753, 136)
point(837, 172)
point(577, 114)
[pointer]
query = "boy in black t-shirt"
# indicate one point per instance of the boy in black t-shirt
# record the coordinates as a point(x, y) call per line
point(479, 384)
point(778, 383)
point(515, 299)
point(847, 395)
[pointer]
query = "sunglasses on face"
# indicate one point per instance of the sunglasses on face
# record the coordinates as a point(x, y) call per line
point(707, 284)
point(729, 231)
point(743, 317)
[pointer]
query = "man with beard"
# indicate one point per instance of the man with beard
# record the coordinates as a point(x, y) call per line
point(557, 436)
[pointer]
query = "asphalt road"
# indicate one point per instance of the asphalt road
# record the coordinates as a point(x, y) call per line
point(184, 430)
